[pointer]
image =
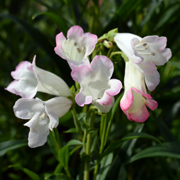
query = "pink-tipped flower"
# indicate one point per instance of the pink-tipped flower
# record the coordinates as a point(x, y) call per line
point(135, 100)
point(43, 115)
point(145, 53)
point(77, 47)
point(28, 79)
point(96, 86)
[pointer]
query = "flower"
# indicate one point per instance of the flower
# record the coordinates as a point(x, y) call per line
point(135, 100)
point(96, 86)
point(29, 79)
point(77, 47)
point(145, 53)
point(43, 115)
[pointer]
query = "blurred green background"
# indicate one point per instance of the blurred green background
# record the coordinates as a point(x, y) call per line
point(29, 27)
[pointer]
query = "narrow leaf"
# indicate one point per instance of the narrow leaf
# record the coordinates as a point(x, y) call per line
point(10, 145)
point(64, 155)
point(30, 173)
point(59, 21)
point(74, 142)
point(170, 150)
point(130, 136)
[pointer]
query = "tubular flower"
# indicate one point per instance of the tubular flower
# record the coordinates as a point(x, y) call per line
point(135, 100)
point(145, 53)
point(77, 47)
point(28, 79)
point(43, 115)
point(96, 86)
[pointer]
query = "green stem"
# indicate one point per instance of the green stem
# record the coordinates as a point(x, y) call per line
point(73, 15)
point(103, 133)
point(57, 146)
point(67, 171)
point(102, 38)
point(115, 53)
point(77, 125)
point(88, 148)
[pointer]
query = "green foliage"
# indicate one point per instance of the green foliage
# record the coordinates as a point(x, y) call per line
point(149, 151)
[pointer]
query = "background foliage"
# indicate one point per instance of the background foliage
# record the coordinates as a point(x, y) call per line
point(29, 27)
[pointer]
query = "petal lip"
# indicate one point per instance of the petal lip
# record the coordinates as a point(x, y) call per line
point(115, 87)
point(20, 68)
point(60, 38)
point(81, 100)
point(75, 32)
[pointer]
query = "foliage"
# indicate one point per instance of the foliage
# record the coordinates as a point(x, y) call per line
point(133, 151)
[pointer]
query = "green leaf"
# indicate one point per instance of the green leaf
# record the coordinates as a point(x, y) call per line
point(52, 146)
point(72, 130)
point(105, 166)
point(31, 174)
point(58, 169)
point(170, 150)
point(64, 155)
point(130, 136)
point(74, 142)
point(60, 22)
point(58, 177)
point(10, 145)
point(167, 15)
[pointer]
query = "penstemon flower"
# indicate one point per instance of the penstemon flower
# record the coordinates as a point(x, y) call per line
point(96, 86)
point(135, 100)
point(77, 47)
point(29, 79)
point(43, 115)
point(145, 53)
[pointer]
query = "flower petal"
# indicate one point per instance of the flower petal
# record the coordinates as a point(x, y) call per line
point(38, 138)
point(89, 41)
point(58, 106)
point(60, 38)
point(20, 69)
point(27, 108)
point(102, 66)
point(51, 84)
point(115, 87)
point(105, 100)
point(75, 32)
point(123, 41)
point(81, 100)
point(152, 80)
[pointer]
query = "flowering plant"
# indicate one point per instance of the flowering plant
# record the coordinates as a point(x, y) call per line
point(94, 99)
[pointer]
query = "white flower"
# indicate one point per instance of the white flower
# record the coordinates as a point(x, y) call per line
point(135, 99)
point(145, 53)
point(43, 115)
point(29, 79)
point(96, 86)
point(77, 47)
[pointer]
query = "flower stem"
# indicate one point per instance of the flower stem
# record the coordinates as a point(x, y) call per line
point(88, 148)
point(77, 125)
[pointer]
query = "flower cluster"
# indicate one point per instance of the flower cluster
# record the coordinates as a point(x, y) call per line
point(94, 77)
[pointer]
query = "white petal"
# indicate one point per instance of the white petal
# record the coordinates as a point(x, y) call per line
point(152, 80)
point(58, 106)
point(27, 108)
point(123, 41)
point(39, 137)
point(51, 84)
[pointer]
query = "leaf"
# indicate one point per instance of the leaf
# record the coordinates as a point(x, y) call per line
point(10, 145)
point(64, 155)
point(52, 146)
point(74, 142)
point(105, 166)
point(60, 22)
point(167, 15)
point(42, 41)
point(130, 136)
point(170, 150)
point(59, 177)
point(31, 174)
point(72, 130)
